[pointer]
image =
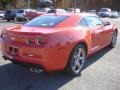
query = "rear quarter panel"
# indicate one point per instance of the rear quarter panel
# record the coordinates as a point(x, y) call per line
point(63, 41)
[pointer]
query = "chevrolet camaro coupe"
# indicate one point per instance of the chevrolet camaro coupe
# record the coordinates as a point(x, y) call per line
point(55, 42)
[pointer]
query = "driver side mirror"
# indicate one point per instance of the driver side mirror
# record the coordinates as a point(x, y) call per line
point(106, 23)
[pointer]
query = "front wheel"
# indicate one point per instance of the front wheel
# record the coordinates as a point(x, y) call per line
point(77, 60)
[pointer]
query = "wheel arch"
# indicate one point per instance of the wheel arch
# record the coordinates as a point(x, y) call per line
point(84, 44)
point(81, 42)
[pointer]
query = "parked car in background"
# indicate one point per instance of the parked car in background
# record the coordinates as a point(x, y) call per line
point(119, 13)
point(104, 12)
point(57, 11)
point(32, 14)
point(92, 11)
point(114, 14)
point(57, 42)
point(1, 15)
point(21, 14)
point(43, 9)
point(10, 14)
point(77, 10)
point(38, 12)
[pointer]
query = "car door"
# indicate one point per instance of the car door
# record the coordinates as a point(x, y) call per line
point(106, 32)
point(96, 27)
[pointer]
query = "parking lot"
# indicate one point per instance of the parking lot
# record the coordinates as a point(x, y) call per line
point(101, 72)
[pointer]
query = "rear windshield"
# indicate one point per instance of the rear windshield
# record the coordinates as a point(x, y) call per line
point(46, 21)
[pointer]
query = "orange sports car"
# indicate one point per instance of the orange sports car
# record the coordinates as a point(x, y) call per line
point(57, 41)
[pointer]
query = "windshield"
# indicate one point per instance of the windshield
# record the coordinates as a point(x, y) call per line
point(20, 11)
point(104, 10)
point(46, 21)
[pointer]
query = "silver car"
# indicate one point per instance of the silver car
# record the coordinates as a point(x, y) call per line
point(104, 12)
point(114, 14)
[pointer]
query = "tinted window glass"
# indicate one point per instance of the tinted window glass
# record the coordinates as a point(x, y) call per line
point(46, 21)
point(93, 21)
point(20, 11)
point(103, 10)
point(83, 22)
point(7, 12)
point(13, 12)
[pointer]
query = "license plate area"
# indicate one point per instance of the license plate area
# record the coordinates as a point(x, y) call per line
point(13, 50)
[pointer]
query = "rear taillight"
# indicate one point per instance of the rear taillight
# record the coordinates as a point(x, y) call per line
point(30, 41)
point(41, 40)
point(37, 41)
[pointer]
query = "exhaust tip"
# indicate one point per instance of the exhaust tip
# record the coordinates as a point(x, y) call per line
point(35, 70)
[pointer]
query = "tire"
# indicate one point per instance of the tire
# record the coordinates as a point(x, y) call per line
point(76, 61)
point(114, 40)
point(1, 18)
point(8, 20)
point(19, 20)
point(13, 19)
point(14, 62)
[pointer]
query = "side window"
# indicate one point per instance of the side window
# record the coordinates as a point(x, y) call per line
point(83, 22)
point(94, 21)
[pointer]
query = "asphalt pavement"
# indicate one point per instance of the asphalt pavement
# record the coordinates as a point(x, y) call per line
point(101, 72)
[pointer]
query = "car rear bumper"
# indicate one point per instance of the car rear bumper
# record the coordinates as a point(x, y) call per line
point(20, 18)
point(103, 15)
point(113, 16)
point(24, 64)
point(49, 58)
point(29, 18)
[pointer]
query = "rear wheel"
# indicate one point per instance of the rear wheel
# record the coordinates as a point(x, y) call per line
point(77, 60)
point(114, 40)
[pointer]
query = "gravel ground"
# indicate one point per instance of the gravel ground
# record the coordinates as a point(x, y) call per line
point(101, 72)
